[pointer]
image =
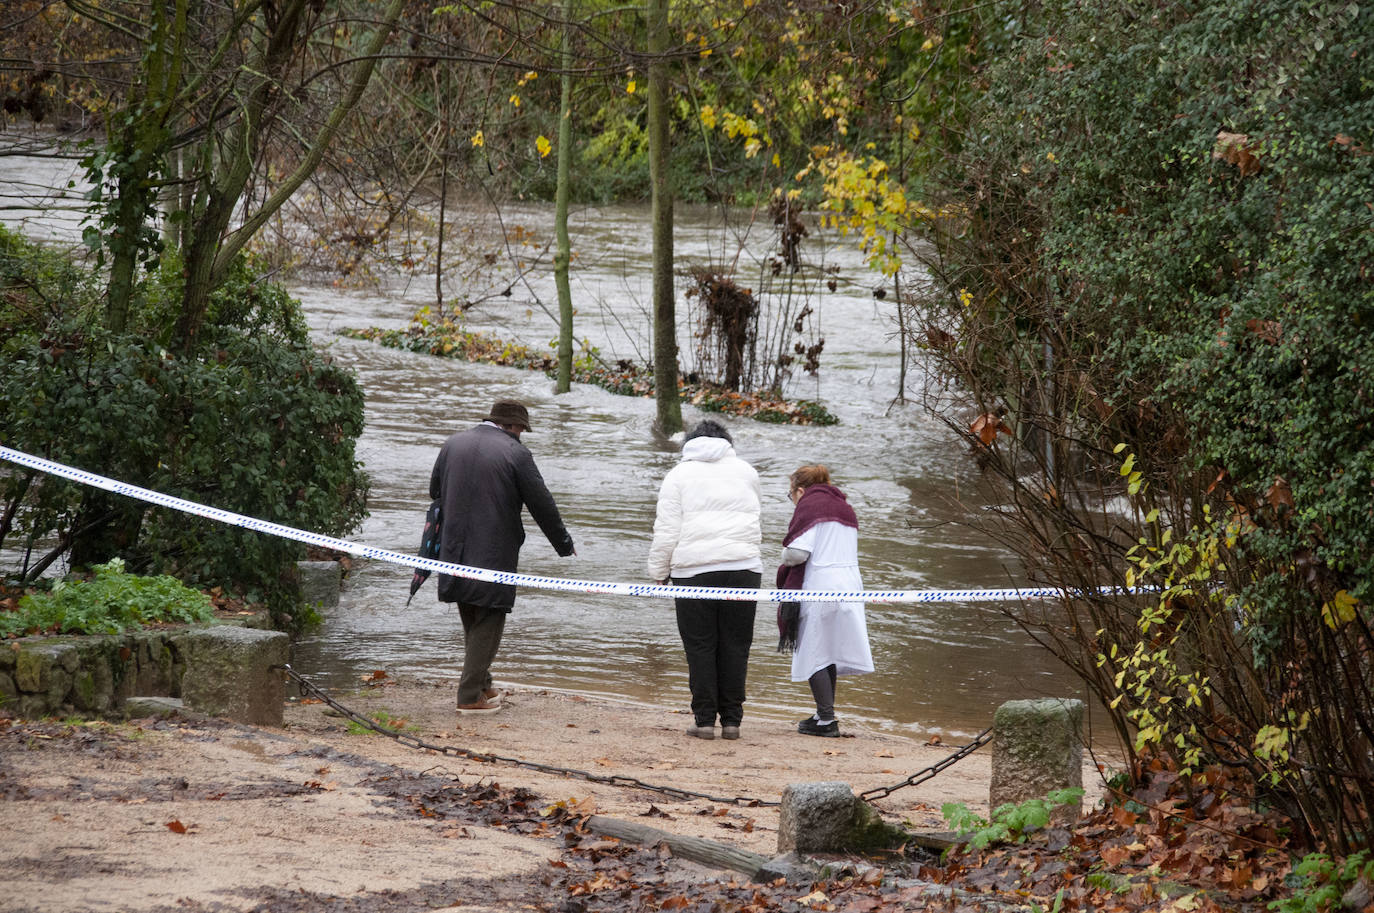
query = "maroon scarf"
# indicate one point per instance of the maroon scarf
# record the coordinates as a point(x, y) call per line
point(818, 504)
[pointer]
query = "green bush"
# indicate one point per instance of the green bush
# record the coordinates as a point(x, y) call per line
point(1164, 238)
point(1010, 822)
point(1321, 882)
point(255, 421)
point(111, 602)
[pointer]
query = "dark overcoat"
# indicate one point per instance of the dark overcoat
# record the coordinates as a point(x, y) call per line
point(484, 476)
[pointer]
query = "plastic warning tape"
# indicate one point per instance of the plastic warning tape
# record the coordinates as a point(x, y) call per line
point(506, 577)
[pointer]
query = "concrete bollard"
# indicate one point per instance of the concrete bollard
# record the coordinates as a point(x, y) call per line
point(828, 818)
point(320, 582)
point(229, 674)
point(1037, 747)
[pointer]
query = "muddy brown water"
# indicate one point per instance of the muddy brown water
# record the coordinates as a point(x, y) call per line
point(941, 667)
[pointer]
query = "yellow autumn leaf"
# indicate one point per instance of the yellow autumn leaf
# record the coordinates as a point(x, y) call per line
point(630, 87)
point(542, 144)
point(478, 139)
point(1340, 610)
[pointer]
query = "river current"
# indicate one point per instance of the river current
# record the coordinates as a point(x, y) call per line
point(941, 667)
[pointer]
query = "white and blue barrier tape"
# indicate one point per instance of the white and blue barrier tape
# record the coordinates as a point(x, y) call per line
point(529, 580)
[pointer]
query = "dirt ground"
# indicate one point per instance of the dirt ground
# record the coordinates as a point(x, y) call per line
point(200, 815)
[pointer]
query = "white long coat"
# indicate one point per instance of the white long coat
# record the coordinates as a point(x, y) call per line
point(831, 632)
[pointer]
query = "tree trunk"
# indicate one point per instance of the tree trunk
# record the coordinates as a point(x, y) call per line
point(696, 849)
point(125, 229)
point(137, 159)
point(665, 318)
point(563, 256)
point(211, 240)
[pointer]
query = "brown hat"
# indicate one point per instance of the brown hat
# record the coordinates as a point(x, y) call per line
point(509, 412)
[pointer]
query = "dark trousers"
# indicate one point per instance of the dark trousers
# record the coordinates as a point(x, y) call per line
point(482, 630)
point(822, 683)
point(716, 636)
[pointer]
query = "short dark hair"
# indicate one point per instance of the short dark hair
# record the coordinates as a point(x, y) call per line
point(709, 428)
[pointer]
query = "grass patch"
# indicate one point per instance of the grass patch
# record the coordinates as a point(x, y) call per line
point(384, 719)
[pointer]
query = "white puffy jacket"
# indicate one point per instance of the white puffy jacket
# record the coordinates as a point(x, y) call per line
point(708, 512)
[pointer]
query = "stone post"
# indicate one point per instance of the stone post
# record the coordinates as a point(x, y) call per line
point(828, 818)
point(228, 673)
point(320, 582)
point(1037, 747)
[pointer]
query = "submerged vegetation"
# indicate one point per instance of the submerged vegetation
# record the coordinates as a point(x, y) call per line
point(448, 338)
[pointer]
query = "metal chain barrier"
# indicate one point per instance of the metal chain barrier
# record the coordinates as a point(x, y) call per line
point(880, 792)
point(453, 751)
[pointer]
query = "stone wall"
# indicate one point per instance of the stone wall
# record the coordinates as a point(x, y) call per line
point(89, 675)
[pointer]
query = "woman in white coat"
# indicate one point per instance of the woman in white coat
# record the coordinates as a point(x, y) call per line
point(707, 533)
point(821, 552)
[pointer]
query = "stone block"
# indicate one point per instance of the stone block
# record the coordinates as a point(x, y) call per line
point(1037, 747)
point(828, 818)
point(37, 662)
point(59, 692)
point(144, 707)
point(32, 707)
point(93, 681)
point(320, 582)
point(93, 686)
point(790, 867)
point(228, 673)
point(154, 667)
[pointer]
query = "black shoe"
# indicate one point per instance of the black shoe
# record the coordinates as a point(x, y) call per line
point(811, 726)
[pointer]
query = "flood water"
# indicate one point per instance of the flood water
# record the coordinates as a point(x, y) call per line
point(941, 667)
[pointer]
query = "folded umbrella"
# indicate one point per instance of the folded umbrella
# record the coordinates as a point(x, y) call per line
point(429, 546)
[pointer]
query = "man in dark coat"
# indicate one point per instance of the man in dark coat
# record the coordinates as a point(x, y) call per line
point(484, 476)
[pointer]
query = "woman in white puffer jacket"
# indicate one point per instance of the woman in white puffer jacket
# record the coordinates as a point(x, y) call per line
point(706, 534)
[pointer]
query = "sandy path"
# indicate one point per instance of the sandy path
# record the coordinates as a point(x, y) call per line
point(192, 815)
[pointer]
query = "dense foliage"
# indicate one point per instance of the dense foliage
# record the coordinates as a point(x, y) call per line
point(1157, 277)
point(254, 421)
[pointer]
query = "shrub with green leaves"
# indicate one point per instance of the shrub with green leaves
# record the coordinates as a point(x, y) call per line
point(110, 602)
point(1164, 238)
point(255, 421)
point(1010, 822)
point(1322, 881)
